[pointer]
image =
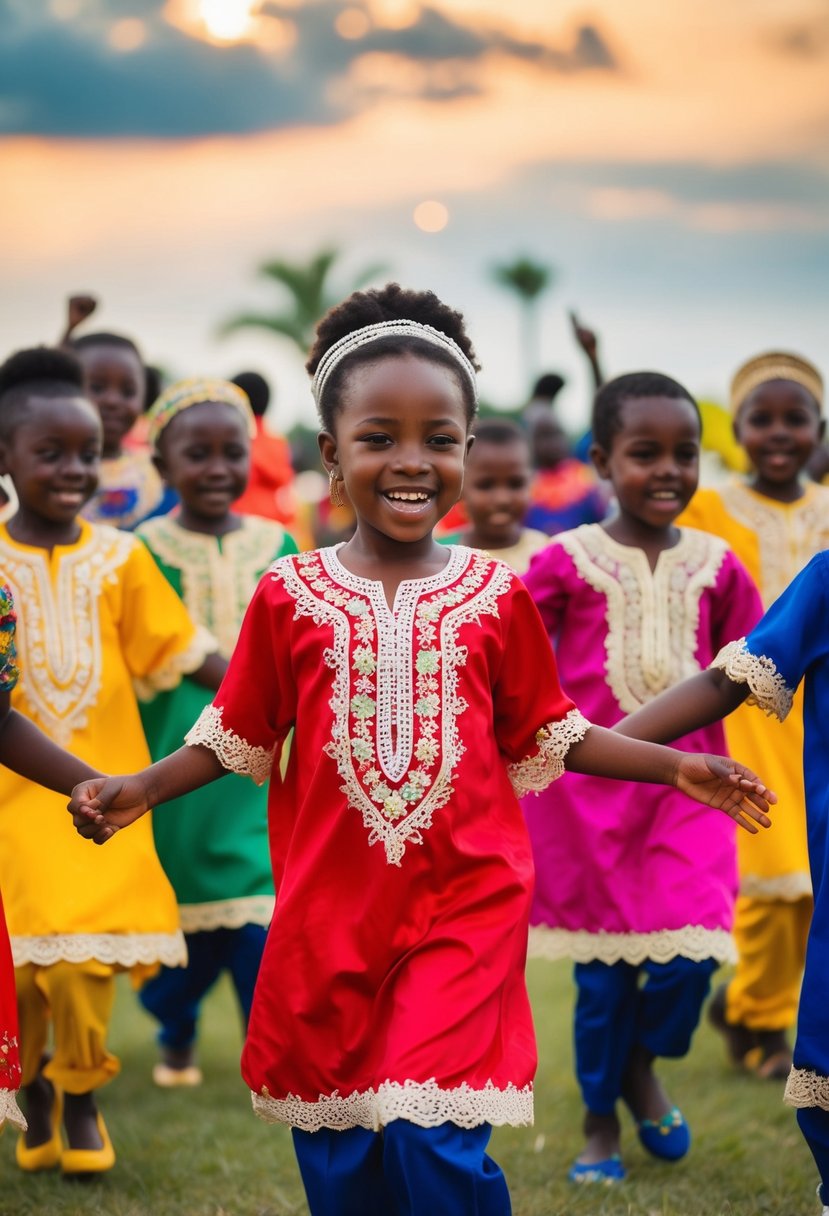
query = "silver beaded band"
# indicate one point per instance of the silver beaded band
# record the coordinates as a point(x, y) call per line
point(389, 329)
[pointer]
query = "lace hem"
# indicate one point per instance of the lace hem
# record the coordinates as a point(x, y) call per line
point(227, 913)
point(117, 949)
point(807, 1088)
point(768, 688)
point(234, 752)
point(10, 1112)
point(423, 1103)
point(692, 941)
point(785, 888)
point(554, 740)
point(178, 665)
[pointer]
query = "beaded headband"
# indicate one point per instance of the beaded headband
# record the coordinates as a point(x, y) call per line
point(776, 365)
point(196, 391)
point(389, 329)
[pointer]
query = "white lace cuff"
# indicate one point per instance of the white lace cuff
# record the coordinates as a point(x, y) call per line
point(423, 1103)
point(691, 941)
point(117, 949)
point(779, 888)
point(234, 752)
point(227, 913)
point(768, 688)
point(554, 740)
point(169, 675)
point(805, 1088)
point(9, 1110)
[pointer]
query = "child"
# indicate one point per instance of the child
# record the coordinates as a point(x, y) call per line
point(775, 522)
point(201, 431)
point(643, 903)
point(790, 645)
point(420, 683)
point(563, 493)
point(96, 614)
point(496, 494)
point(129, 488)
point(269, 491)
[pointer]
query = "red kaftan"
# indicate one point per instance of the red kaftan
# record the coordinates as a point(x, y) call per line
point(392, 984)
point(9, 1043)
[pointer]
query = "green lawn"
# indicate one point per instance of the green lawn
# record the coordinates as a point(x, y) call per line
point(203, 1153)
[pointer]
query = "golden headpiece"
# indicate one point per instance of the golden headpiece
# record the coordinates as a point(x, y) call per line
point(196, 391)
point(775, 365)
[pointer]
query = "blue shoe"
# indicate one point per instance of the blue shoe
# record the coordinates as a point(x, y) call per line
point(605, 1172)
point(668, 1137)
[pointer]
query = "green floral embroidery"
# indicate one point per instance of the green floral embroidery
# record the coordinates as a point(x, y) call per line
point(364, 661)
point(363, 706)
point(362, 750)
point(427, 662)
point(428, 706)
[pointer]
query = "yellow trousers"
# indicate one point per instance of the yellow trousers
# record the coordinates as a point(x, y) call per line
point(75, 1000)
point(771, 944)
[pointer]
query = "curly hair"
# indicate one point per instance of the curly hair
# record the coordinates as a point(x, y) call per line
point(389, 303)
point(40, 371)
point(608, 402)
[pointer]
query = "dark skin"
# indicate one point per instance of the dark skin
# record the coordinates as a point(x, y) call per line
point(496, 493)
point(780, 426)
point(589, 343)
point(204, 454)
point(115, 382)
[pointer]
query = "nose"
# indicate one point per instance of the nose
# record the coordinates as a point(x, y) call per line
point(411, 458)
point(74, 468)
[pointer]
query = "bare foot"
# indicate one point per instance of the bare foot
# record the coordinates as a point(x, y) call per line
point(641, 1089)
point(602, 1138)
point(80, 1118)
point(40, 1099)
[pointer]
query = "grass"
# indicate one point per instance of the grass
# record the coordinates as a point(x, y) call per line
point(203, 1153)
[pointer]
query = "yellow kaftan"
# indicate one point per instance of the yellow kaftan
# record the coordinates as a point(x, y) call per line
point(774, 541)
point(94, 619)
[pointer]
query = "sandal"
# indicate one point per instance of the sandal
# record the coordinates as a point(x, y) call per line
point(607, 1172)
point(668, 1138)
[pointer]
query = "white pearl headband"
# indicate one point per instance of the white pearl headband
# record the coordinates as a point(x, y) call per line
point(388, 329)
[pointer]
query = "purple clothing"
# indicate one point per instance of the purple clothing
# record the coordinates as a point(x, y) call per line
point(624, 870)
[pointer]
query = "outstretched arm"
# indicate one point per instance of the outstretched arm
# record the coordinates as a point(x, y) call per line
point(589, 342)
point(78, 308)
point(696, 702)
point(27, 751)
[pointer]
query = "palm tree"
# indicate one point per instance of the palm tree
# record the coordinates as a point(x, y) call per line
point(307, 297)
point(527, 279)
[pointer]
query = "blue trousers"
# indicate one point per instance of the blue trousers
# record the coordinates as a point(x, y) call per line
point(814, 1124)
point(175, 994)
point(405, 1170)
point(620, 1006)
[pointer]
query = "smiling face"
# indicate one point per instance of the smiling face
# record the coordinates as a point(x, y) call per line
point(399, 444)
point(653, 463)
point(204, 454)
point(496, 491)
point(779, 425)
point(115, 382)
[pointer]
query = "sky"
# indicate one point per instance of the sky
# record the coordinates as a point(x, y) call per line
point(669, 162)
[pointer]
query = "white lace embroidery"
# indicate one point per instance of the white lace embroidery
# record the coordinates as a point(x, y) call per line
point(768, 688)
point(235, 753)
point(652, 616)
point(395, 695)
point(788, 535)
point(59, 634)
point(806, 1088)
point(9, 1110)
point(554, 740)
point(227, 913)
point(785, 888)
point(178, 665)
point(423, 1103)
point(117, 949)
point(692, 941)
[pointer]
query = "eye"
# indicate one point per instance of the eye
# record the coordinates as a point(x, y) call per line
point(376, 440)
point(90, 455)
point(235, 453)
point(442, 441)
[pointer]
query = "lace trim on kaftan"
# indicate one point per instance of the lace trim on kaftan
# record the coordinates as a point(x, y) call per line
point(10, 1112)
point(652, 616)
point(807, 1088)
point(59, 633)
point(554, 740)
point(423, 1103)
point(227, 913)
point(691, 941)
point(788, 536)
point(117, 949)
point(181, 664)
point(768, 688)
point(234, 752)
point(785, 888)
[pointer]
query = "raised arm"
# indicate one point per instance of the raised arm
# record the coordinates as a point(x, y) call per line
point(696, 702)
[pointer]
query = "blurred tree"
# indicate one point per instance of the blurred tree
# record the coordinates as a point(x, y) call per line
point(526, 279)
point(307, 293)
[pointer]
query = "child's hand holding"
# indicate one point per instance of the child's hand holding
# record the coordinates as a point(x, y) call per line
point(100, 807)
point(721, 782)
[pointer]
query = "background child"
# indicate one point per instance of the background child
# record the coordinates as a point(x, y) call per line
point(96, 615)
point(269, 491)
point(420, 684)
point(219, 865)
point(775, 522)
point(563, 492)
point(635, 885)
point(496, 494)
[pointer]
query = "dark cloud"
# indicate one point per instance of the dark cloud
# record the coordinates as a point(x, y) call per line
point(62, 78)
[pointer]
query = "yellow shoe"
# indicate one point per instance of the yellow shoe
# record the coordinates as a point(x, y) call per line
point(171, 1078)
point(90, 1160)
point(47, 1155)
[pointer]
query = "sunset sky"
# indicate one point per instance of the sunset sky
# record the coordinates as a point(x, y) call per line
point(670, 160)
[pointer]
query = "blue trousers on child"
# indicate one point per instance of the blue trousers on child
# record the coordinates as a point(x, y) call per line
point(814, 1124)
point(620, 1006)
point(405, 1170)
point(175, 994)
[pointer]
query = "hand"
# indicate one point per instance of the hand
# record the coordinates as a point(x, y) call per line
point(78, 309)
point(101, 807)
point(721, 782)
point(585, 337)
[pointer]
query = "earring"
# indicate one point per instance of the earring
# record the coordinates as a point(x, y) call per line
point(334, 491)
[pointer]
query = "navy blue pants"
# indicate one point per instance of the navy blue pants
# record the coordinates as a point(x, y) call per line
point(814, 1124)
point(405, 1170)
point(620, 1006)
point(175, 994)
